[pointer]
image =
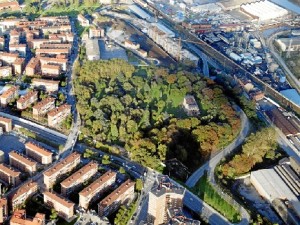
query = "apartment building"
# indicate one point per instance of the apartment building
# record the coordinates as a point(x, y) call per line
point(52, 51)
point(18, 48)
point(6, 124)
point(64, 207)
point(22, 162)
point(47, 85)
point(55, 116)
point(3, 210)
point(18, 66)
point(5, 71)
point(14, 36)
point(83, 21)
point(38, 153)
point(19, 218)
point(56, 29)
point(75, 180)
point(56, 45)
point(63, 36)
point(121, 195)
point(36, 24)
point(9, 175)
point(26, 100)
point(9, 95)
point(8, 58)
point(54, 61)
point(50, 70)
point(60, 168)
point(163, 197)
point(42, 107)
point(96, 33)
point(93, 192)
point(36, 43)
point(24, 192)
point(33, 67)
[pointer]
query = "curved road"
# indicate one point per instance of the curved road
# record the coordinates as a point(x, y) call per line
point(210, 166)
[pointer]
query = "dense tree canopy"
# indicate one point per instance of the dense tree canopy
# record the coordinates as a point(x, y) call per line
point(141, 109)
point(259, 145)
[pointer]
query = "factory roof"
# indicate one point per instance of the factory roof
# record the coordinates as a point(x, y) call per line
point(140, 12)
point(292, 94)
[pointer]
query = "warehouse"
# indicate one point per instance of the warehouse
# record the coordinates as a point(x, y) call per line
point(271, 187)
point(138, 11)
point(92, 49)
point(264, 10)
point(164, 29)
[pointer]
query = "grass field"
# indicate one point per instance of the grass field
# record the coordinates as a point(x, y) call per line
point(205, 191)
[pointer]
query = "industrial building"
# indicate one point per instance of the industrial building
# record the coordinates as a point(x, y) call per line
point(281, 187)
point(139, 12)
point(264, 10)
point(92, 49)
point(288, 44)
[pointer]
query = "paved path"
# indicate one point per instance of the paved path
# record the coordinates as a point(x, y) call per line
point(210, 168)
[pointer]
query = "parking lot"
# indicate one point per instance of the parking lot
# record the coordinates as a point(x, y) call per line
point(10, 142)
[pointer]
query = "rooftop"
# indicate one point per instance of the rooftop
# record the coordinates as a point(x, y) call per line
point(57, 198)
point(165, 185)
point(44, 81)
point(28, 186)
point(112, 197)
point(5, 120)
point(27, 96)
point(60, 109)
point(10, 91)
point(78, 174)
point(97, 183)
point(19, 61)
point(49, 59)
point(42, 103)
point(57, 167)
point(10, 171)
point(22, 158)
point(19, 217)
point(38, 149)
point(33, 63)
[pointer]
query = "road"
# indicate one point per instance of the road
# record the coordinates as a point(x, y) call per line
point(71, 100)
point(281, 62)
point(210, 166)
point(212, 163)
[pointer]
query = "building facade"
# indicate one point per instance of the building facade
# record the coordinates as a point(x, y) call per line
point(60, 168)
point(9, 95)
point(120, 196)
point(26, 100)
point(6, 124)
point(38, 153)
point(80, 176)
point(22, 162)
point(43, 107)
point(19, 197)
point(47, 85)
point(3, 210)
point(64, 207)
point(19, 218)
point(9, 175)
point(94, 190)
point(57, 115)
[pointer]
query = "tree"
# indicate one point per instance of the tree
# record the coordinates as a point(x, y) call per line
point(54, 214)
point(122, 170)
point(105, 160)
point(138, 185)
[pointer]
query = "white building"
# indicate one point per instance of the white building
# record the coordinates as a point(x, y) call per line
point(92, 49)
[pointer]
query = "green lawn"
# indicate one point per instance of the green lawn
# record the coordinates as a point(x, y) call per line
point(205, 191)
